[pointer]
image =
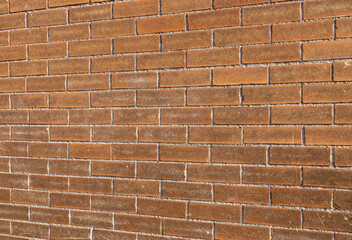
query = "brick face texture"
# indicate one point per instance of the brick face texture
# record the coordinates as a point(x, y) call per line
point(176, 119)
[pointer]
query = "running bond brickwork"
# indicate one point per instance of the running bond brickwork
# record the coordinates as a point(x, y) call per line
point(176, 119)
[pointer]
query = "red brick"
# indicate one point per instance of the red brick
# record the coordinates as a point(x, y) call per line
point(91, 116)
point(36, 84)
point(70, 133)
point(185, 78)
point(51, 50)
point(136, 8)
point(241, 115)
point(327, 50)
point(48, 215)
point(69, 167)
point(49, 183)
point(184, 153)
point(301, 115)
point(170, 6)
point(343, 27)
point(48, 117)
point(30, 230)
point(186, 116)
point(114, 169)
point(36, 35)
point(187, 40)
point(161, 24)
point(320, 177)
point(217, 212)
point(214, 19)
point(161, 60)
point(192, 191)
point(13, 21)
point(272, 14)
point(90, 47)
point(71, 32)
point(64, 66)
point(326, 8)
point(162, 134)
point(91, 185)
point(134, 80)
point(135, 151)
point(14, 212)
point(187, 228)
point(91, 13)
point(58, 3)
point(138, 223)
point(221, 135)
point(113, 28)
point(12, 53)
point(336, 221)
point(343, 157)
point(57, 150)
point(113, 63)
point(272, 175)
point(342, 200)
point(66, 200)
point(95, 151)
point(164, 208)
point(47, 18)
point(92, 219)
point(213, 173)
point(213, 57)
point(160, 98)
point(227, 231)
point(88, 82)
point(136, 116)
point(328, 135)
point(278, 234)
point(62, 232)
point(213, 96)
point(137, 44)
point(239, 154)
point(137, 187)
point(272, 216)
point(163, 171)
point(13, 149)
point(113, 99)
point(12, 85)
point(30, 133)
point(114, 204)
point(327, 93)
point(114, 134)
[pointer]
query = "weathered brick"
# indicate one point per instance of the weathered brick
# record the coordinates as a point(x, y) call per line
point(14, 180)
point(215, 212)
point(213, 173)
point(136, 116)
point(50, 183)
point(338, 49)
point(186, 116)
point(13, 21)
point(328, 135)
point(35, 84)
point(160, 98)
point(134, 80)
point(88, 82)
point(116, 169)
point(227, 231)
point(48, 117)
point(113, 28)
point(51, 50)
point(137, 187)
point(186, 40)
point(214, 19)
point(233, 3)
point(241, 115)
point(342, 200)
point(137, 44)
point(36, 35)
point(185, 78)
point(64, 66)
point(301, 115)
point(272, 175)
point(193, 191)
point(71, 32)
point(164, 208)
point(343, 27)
point(186, 228)
point(12, 85)
point(113, 99)
point(93, 219)
point(91, 13)
point(29, 165)
point(68, 200)
point(69, 167)
point(113, 63)
point(327, 93)
point(4, 101)
point(338, 221)
point(48, 150)
point(58, 3)
point(90, 116)
point(162, 134)
point(69, 100)
point(335, 178)
point(138, 223)
point(326, 8)
point(213, 57)
point(161, 24)
point(12, 53)
point(136, 8)
point(30, 230)
point(239, 154)
point(95, 151)
point(4, 69)
point(91, 185)
point(161, 60)
point(5, 196)
point(135, 151)
point(299, 235)
point(57, 232)
point(184, 153)
point(90, 47)
point(28, 68)
point(213, 96)
point(50, 215)
point(163, 171)
point(47, 18)
point(170, 6)
point(4, 38)
point(104, 234)
point(343, 157)
point(30, 133)
point(14, 212)
point(114, 204)
point(242, 194)
point(273, 135)
point(30, 101)
point(221, 135)
point(342, 71)
point(70, 133)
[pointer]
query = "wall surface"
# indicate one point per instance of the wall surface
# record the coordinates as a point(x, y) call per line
point(176, 119)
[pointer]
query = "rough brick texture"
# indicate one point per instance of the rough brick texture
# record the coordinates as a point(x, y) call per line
point(176, 119)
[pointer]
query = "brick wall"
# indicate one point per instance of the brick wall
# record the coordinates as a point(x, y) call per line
point(176, 119)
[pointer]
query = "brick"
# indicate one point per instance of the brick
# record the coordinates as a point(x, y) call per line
point(300, 156)
point(343, 27)
point(71, 32)
point(58, 3)
point(91, 185)
point(214, 19)
point(92, 219)
point(69, 100)
point(91, 116)
point(64, 66)
point(187, 40)
point(137, 187)
point(138, 223)
point(48, 117)
point(13, 116)
point(272, 216)
point(342, 71)
point(134, 80)
point(186, 116)
point(272, 175)
point(227, 231)
point(136, 8)
point(236, 76)
point(28, 68)
point(29, 165)
point(191, 191)
point(57, 150)
point(50, 215)
point(4, 101)
point(300, 73)
point(49, 183)
point(213, 96)
point(30, 197)
point(90, 47)
point(4, 164)
point(303, 31)
point(219, 135)
point(5, 133)
point(103, 234)
point(301, 115)
point(91, 13)
point(137, 44)
point(113, 28)
point(343, 114)
point(217, 212)
point(35, 84)
point(187, 228)
point(342, 200)
point(5, 196)
point(164, 208)
point(213, 57)
point(161, 24)
point(169, 6)
point(12, 85)
point(288, 12)
point(241, 115)
point(327, 50)
point(335, 178)
point(4, 38)
point(30, 133)
point(290, 52)
point(59, 232)
point(136, 116)
point(343, 157)
point(88, 82)
point(184, 153)
point(113, 99)
point(328, 136)
point(326, 93)
point(160, 98)
point(114, 204)
point(185, 78)
point(4, 7)
point(69, 167)
point(12, 53)
point(37, 35)
point(135, 151)
point(5, 227)
point(337, 221)
point(342, 236)
point(51, 50)
point(273, 135)
point(233, 3)
point(301, 197)
point(95, 151)
point(113, 63)
point(162, 134)
point(13, 149)
point(67, 200)
point(114, 134)
point(242, 36)
point(4, 69)
point(163, 171)
point(239, 154)
point(47, 18)
point(30, 230)
point(213, 173)
point(14, 212)
point(271, 94)
point(299, 235)
point(326, 8)
point(161, 60)
point(70, 133)
point(13, 21)
point(115, 169)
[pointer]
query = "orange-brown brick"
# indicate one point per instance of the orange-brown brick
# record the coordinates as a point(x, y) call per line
point(214, 96)
point(46, 84)
point(28, 68)
point(104, 234)
point(36, 35)
point(30, 101)
point(47, 18)
point(239, 154)
point(51, 183)
point(326, 8)
point(4, 8)
point(13, 21)
point(30, 230)
point(220, 135)
point(170, 23)
point(297, 234)
point(301, 115)
point(342, 71)
point(48, 150)
point(271, 94)
point(70, 133)
point(160, 98)
point(161, 60)
point(30, 133)
point(241, 115)
point(136, 116)
point(338, 221)
point(138, 223)
point(51, 50)
point(48, 117)
point(343, 27)
point(102, 220)
point(91, 13)
point(213, 57)
point(14, 212)
point(320, 177)
point(233, 3)
point(91, 185)
point(137, 187)
point(272, 175)
point(343, 157)
point(187, 40)
point(186, 228)
point(327, 93)
point(29, 165)
point(137, 44)
point(117, 169)
point(170, 6)
point(58, 3)
point(113, 99)
point(30, 197)
point(5, 101)
point(342, 200)
point(90, 47)
point(327, 50)
point(162, 134)
point(114, 204)
point(242, 194)
point(213, 173)
point(69, 100)
point(186, 116)
point(328, 135)
point(216, 212)
point(4, 38)
point(88, 82)
point(113, 63)
point(136, 8)
point(113, 28)
point(227, 231)
point(12, 53)
point(193, 191)
point(164, 208)
point(114, 134)
point(50, 215)
point(71, 32)
point(242, 36)
point(12, 85)
point(14, 180)
point(185, 78)
point(96, 151)
point(273, 135)
point(11, 116)
point(69, 167)
point(163, 171)
point(184, 153)
point(57, 232)
point(135, 151)
point(66, 200)
point(64, 66)
point(90, 116)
